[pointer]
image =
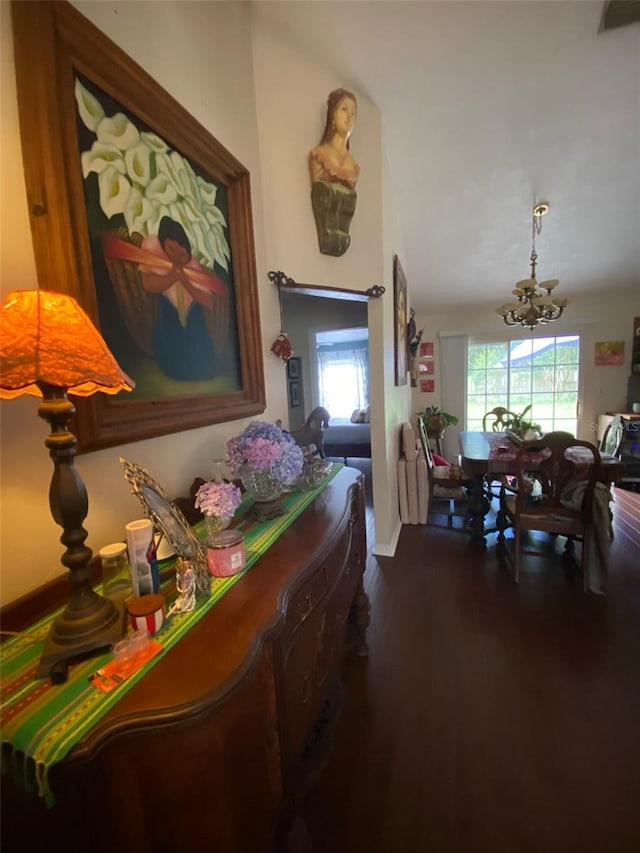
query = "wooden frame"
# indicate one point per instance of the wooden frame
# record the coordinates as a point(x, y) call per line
point(55, 48)
point(400, 313)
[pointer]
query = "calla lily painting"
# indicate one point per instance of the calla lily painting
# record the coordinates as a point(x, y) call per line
point(158, 227)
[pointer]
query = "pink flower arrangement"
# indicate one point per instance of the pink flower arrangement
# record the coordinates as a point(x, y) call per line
point(263, 447)
point(220, 500)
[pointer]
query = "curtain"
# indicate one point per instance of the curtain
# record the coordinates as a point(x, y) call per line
point(343, 380)
point(453, 387)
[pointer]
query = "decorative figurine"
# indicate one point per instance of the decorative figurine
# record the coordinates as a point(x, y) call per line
point(186, 586)
point(334, 174)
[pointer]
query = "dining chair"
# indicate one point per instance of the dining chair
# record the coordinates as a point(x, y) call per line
point(448, 488)
point(548, 471)
point(613, 437)
point(496, 419)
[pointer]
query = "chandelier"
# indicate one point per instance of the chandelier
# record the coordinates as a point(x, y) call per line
point(536, 302)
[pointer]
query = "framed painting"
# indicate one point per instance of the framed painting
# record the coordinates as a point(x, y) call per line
point(427, 386)
point(609, 353)
point(426, 368)
point(294, 394)
point(293, 367)
point(426, 349)
point(400, 313)
point(145, 218)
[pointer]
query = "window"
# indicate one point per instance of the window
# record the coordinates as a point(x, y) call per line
point(343, 371)
point(541, 372)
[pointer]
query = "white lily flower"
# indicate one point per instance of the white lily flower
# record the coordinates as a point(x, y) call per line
point(181, 162)
point(158, 211)
point(89, 107)
point(114, 191)
point(165, 167)
point(220, 248)
point(201, 249)
point(190, 187)
point(192, 210)
point(154, 142)
point(100, 156)
point(138, 160)
point(118, 130)
point(137, 212)
point(161, 189)
point(214, 216)
point(208, 191)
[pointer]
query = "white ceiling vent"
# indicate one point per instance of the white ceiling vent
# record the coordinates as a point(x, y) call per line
point(619, 13)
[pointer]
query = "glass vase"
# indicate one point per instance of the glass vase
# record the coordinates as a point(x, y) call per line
point(265, 490)
point(214, 524)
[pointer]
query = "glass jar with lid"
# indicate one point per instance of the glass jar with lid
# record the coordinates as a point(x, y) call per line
point(116, 572)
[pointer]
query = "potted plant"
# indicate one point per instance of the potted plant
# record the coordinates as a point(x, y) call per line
point(436, 421)
point(523, 427)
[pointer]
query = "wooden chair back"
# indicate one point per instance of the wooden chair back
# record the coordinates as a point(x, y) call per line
point(554, 472)
point(498, 418)
point(447, 488)
point(545, 468)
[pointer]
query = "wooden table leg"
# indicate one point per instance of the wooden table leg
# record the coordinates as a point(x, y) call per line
point(478, 509)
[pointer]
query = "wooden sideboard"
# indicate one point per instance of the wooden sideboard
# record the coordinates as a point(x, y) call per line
point(215, 746)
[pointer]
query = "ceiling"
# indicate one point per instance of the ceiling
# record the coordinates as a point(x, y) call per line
point(487, 106)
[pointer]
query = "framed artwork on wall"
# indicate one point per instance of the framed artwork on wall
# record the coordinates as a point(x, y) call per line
point(426, 368)
point(609, 353)
point(426, 349)
point(427, 386)
point(400, 313)
point(145, 218)
point(293, 367)
point(294, 394)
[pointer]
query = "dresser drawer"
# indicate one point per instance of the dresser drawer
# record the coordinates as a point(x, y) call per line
point(315, 589)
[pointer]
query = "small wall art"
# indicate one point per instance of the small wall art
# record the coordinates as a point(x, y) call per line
point(609, 353)
point(427, 386)
point(426, 368)
point(293, 368)
point(294, 394)
point(426, 349)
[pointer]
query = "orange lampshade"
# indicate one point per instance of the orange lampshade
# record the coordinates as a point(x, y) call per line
point(46, 337)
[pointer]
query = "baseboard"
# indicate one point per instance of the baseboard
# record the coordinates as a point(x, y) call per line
point(388, 550)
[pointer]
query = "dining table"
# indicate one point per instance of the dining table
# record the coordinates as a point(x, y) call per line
point(484, 454)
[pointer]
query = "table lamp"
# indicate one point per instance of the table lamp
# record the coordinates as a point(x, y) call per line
point(48, 347)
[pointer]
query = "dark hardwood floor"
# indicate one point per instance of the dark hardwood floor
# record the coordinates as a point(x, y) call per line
point(489, 716)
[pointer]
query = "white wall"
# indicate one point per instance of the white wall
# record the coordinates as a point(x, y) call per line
point(291, 94)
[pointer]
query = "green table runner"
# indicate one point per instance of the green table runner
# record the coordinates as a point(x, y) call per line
point(41, 721)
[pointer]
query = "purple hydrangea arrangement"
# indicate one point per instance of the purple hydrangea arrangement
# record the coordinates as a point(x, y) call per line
point(219, 500)
point(262, 447)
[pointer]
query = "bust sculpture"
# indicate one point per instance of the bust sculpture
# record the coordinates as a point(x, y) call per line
point(334, 174)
